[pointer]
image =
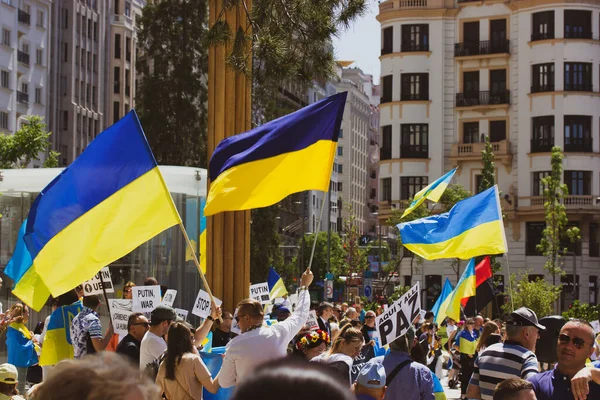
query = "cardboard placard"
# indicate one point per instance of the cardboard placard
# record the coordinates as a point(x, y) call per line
point(397, 319)
point(169, 297)
point(312, 322)
point(120, 310)
point(202, 304)
point(145, 298)
point(235, 327)
point(182, 313)
point(260, 293)
point(94, 285)
point(596, 326)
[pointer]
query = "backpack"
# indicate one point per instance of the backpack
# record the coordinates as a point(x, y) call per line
point(151, 370)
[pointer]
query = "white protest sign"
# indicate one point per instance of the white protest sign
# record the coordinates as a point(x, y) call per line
point(312, 322)
point(202, 304)
point(182, 313)
point(120, 310)
point(293, 298)
point(596, 326)
point(169, 297)
point(145, 298)
point(235, 327)
point(395, 321)
point(94, 285)
point(260, 292)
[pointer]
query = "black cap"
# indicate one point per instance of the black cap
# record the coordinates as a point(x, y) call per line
point(524, 317)
point(163, 313)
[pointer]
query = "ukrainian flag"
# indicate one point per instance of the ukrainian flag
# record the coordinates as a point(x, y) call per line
point(191, 227)
point(473, 227)
point(57, 344)
point(105, 204)
point(276, 285)
point(466, 287)
point(438, 389)
point(288, 155)
point(432, 192)
point(439, 308)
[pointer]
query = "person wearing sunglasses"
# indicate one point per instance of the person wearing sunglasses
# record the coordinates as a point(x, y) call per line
point(570, 380)
point(368, 328)
point(137, 326)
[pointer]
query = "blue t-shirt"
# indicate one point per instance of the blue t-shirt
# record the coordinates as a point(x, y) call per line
point(552, 385)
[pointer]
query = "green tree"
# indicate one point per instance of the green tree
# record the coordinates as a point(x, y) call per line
point(552, 243)
point(26, 144)
point(319, 264)
point(537, 295)
point(583, 311)
point(355, 258)
point(398, 292)
point(172, 92)
point(265, 251)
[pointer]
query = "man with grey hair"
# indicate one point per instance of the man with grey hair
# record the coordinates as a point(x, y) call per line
point(515, 358)
point(350, 317)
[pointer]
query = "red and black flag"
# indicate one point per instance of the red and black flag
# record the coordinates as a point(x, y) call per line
point(484, 289)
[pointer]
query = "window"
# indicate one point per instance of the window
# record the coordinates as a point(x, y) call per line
point(90, 28)
point(538, 185)
point(5, 37)
point(39, 57)
point(41, 18)
point(128, 49)
point(340, 169)
point(415, 87)
point(542, 25)
point(116, 111)
point(5, 79)
point(578, 133)
point(411, 185)
point(88, 93)
point(543, 134)
point(387, 40)
point(594, 240)
point(578, 24)
point(579, 183)
point(83, 23)
point(38, 95)
point(542, 78)
point(3, 120)
point(89, 61)
point(117, 46)
point(95, 31)
point(341, 135)
point(385, 153)
point(497, 131)
point(128, 9)
point(414, 141)
point(94, 96)
point(65, 51)
point(533, 237)
point(63, 85)
point(117, 77)
point(340, 151)
point(65, 120)
point(415, 37)
point(578, 77)
point(127, 87)
point(386, 94)
point(386, 189)
point(470, 132)
point(593, 285)
point(65, 18)
point(95, 63)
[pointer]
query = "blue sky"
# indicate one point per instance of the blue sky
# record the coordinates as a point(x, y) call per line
point(362, 42)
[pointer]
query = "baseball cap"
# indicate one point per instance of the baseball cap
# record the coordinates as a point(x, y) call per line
point(8, 373)
point(163, 313)
point(372, 375)
point(524, 317)
point(283, 310)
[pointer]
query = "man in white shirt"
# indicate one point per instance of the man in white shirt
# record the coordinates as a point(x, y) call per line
point(258, 344)
point(153, 344)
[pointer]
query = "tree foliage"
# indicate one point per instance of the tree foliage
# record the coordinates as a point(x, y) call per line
point(264, 251)
point(355, 258)
point(172, 92)
point(582, 311)
point(26, 144)
point(488, 172)
point(319, 264)
point(537, 295)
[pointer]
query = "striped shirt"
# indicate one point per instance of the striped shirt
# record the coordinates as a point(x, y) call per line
point(501, 361)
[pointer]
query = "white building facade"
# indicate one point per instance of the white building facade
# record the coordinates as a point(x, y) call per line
point(525, 74)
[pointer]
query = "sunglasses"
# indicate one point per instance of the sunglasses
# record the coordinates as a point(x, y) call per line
point(369, 317)
point(145, 324)
point(577, 342)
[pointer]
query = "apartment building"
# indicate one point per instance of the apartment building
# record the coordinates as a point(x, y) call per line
point(24, 62)
point(523, 73)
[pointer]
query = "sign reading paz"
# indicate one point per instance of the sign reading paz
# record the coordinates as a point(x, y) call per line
point(169, 297)
point(120, 310)
point(94, 285)
point(145, 298)
point(395, 321)
point(202, 304)
point(260, 293)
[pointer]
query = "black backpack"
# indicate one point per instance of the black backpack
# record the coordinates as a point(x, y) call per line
point(151, 370)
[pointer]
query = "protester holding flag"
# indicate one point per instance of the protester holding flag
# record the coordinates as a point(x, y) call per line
point(21, 346)
point(86, 329)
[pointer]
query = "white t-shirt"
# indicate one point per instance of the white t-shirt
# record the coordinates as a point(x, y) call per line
point(151, 348)
point(450, 329)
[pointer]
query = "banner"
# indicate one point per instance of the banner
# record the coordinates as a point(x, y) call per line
point(365, 355)
point(94, 285)
point(169, 297)
point(202, 304)
point(145, 298)
point(120, 310)
point(260, 293)
point(395, 321)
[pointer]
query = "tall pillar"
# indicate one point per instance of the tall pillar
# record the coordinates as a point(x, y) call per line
point(229, 113)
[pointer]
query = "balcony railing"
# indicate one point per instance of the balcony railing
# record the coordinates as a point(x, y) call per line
point(385, 153)
point(386, 50)
point(414, 96)
point(408, 47)
point(22, 97)
point(579, 87)
point(481, 48)
point(391, 5)
point(581, 34)
point(541, 145)
point(542, 88)
point(485, 98)
point(542, 36)
point(474, 149)
point(414, 151)
point(24, 17)
point(571, 201)
point(579, 145)
point(117, 88)
point(23, 57)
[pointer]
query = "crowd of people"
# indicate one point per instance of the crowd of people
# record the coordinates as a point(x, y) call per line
point(160, 357)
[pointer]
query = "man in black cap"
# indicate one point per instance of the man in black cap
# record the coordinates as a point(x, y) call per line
point(153, 344)
point(515, 358)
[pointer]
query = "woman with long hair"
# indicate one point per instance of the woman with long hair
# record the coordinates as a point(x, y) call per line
point(488, 329)
point(21, 345)
point(311, 344)
point(183, 374)
point(346, 346)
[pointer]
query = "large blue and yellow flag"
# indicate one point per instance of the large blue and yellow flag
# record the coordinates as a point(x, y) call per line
point(432, 192)
point(288, 155)
point(57, 343)
point(466, 287)
point(276, 285)
point(439, 308)
point(473, 227)
point(110, 200)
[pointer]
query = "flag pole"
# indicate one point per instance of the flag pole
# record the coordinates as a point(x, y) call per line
point(512, 304)
point(312, 253)
point(105, 297)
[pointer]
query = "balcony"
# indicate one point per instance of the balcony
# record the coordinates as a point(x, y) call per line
point(22, 97)
point(585, 203)
point(385, 153)
point(578, 34)
point(542, 145)
point(410, 47)
point(386, 50)
point(23, 57)
point(481, 48)
point(482, 98)
point(543, 88)
point(579, 87)
point(393, 5)
point(414, 151)
point(541, 36)
point(463, 152)
point(23, 17)
point(579, 145)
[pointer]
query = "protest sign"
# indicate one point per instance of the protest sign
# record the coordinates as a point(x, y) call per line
point(120, 310)
point(260, 293)
point(182, 313)
point(169, 297)
point(94, 285)
point(202, 304)
point(365, 355)
point(235, 327)
point(395, 321)
point(312, 322)
point(293, 298)
point(596, 326)
point(145, 298)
